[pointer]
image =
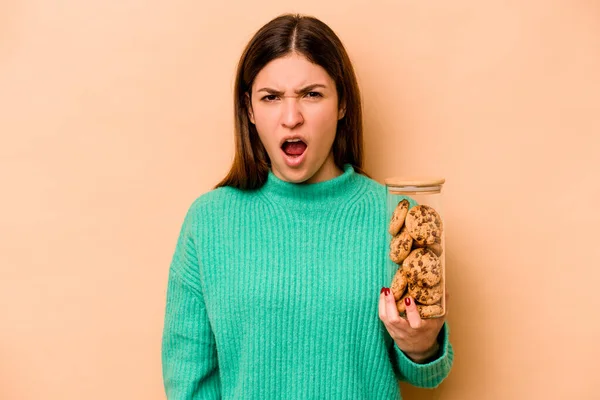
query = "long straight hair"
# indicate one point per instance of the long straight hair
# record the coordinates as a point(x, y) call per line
point(317, 42)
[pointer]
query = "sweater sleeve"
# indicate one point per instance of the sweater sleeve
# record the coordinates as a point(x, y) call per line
point(189, 357)
point(431, 374)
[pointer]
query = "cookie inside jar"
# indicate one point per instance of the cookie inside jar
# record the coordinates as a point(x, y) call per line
point(416, 238)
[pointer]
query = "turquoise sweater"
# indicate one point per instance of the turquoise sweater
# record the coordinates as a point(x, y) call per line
point(273, 294)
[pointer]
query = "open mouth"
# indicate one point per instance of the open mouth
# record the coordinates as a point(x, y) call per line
point(294, 151)
point(293, 148)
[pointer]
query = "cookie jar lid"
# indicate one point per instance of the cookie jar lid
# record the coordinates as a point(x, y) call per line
point(415, 184)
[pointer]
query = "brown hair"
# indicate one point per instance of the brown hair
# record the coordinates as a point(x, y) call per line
point(320, 45)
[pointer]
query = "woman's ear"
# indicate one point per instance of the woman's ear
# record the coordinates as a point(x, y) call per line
point(249, 108)
point(342, 111)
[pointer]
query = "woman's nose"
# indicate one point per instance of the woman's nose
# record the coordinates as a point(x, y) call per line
point(292, 115)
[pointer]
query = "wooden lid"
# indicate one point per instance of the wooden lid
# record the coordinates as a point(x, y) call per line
point(418, 182)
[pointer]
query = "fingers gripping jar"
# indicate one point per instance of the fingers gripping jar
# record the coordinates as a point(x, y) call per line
point(417, 245)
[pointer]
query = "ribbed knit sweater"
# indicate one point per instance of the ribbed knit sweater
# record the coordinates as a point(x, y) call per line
point(273, 294)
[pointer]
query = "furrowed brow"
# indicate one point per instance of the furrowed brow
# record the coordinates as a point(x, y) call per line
point(303, 90)
point(311, 87)
point(270, 91)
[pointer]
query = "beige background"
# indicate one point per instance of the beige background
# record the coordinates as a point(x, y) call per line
point(115, 115)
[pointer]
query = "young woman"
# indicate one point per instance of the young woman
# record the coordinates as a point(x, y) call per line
point(275, 288)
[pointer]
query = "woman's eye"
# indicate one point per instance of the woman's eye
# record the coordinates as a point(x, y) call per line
point(270, 97)
point(313, 94)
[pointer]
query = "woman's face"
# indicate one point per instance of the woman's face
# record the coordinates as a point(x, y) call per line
point(294, 107)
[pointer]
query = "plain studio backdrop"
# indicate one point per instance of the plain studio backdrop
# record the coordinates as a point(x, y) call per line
point(116, 115)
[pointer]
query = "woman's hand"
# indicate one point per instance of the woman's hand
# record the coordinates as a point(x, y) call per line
point(416, 337)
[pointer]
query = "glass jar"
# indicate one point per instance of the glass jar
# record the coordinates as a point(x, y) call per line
point(417, 246)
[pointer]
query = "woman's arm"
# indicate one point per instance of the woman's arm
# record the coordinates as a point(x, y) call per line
point(421, 349)
point(189, 357)
point(430, 373)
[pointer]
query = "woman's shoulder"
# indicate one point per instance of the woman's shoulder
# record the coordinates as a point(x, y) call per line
point(372, 186)
point(217, 201)
point(218, 198)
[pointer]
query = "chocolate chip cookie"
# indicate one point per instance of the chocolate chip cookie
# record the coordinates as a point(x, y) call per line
point(424, 224)
point(436, 248)
point(399, 283)
point(400, 305)
point(434, 310)
point(400, 246)
point(398, 217)
point(424, 295)
point(425, 311)
point(423, 268)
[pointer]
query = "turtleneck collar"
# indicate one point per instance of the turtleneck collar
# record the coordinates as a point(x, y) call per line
point(335, 190)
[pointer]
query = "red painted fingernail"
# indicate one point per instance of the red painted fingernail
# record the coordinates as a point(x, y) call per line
point(387, 291)
point(407, 301)
point(382, 290)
